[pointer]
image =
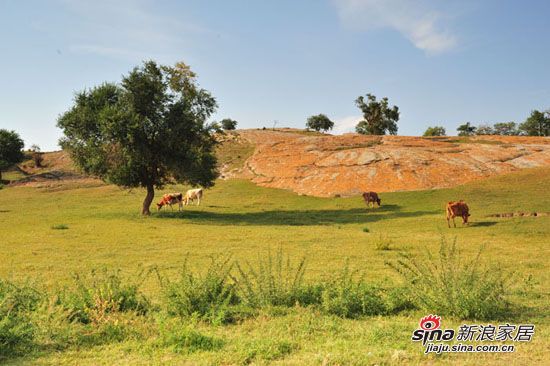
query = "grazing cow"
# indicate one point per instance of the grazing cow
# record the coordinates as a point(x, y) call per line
point(193, 194)
point(171, 199)
point(371, 197)
point(457, 208)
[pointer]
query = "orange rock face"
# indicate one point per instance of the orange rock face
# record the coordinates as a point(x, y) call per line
point(350, 164)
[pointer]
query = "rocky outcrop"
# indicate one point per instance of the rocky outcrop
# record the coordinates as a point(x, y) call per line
point(347, 165)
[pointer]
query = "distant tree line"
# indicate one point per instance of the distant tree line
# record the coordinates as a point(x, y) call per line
point(537, 124)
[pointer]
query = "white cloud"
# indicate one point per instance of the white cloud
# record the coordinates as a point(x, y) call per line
point(129, 29)
point(415, 20)
point(345, 124)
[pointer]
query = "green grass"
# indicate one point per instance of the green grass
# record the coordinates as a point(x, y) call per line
point(240, 219)
point(232, 155)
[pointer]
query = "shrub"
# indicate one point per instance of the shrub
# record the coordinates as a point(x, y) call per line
point(348, 297)
point(94, 297)
point(275, 282)
point(16, 330)
point(435, 131)
point(383, 243)
point(16, 334)
point(397, 299)
point(447, 286)
point(208, 296)
point(60, 227)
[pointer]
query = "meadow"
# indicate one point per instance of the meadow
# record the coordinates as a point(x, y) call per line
point(50, 234)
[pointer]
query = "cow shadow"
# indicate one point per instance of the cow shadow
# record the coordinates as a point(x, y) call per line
point(312, 217)
point(483, 223)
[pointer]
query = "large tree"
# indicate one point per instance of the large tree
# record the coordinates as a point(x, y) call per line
point(11, 149)
point(538, 124)
point(228, 124)
point(147, 131)
point(319, 122)
point(484, 129)
point(506, 128)
point(379, 118)
point(466, 129)
point(435, 131)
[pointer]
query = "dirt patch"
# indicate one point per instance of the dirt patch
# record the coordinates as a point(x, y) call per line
point(519, 214)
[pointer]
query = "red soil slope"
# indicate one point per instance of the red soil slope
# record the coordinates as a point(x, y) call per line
point(325, 165)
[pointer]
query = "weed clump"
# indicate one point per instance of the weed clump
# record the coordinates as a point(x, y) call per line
point(276, 282)
point(60, 227)
point(17, 332)
point(93, 298)
point(447, 286)
point(350, 297)
point(208, 297)
point(383, 243)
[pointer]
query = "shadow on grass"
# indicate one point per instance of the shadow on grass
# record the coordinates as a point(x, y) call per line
point(483, 223)
point(295, 217)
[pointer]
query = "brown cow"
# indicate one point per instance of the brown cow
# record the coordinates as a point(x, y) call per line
point(371, 197)
point(171, 199)
point(457, 208)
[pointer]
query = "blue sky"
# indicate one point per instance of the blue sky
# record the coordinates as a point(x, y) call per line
point(441, 62)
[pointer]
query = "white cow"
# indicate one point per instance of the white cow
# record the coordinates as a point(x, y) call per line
point(193, 194)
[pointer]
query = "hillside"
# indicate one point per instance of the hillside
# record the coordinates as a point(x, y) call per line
point(321, 165)
point(325, 165)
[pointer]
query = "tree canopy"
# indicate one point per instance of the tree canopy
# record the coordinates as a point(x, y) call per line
point(228, 124)
point(505, 128)
point(378, 117)
point(319, 122)
point(435, 131)
point(537, 124)
point(466, 129)
point(147, 131)
point(11, 149)
point(484, 130)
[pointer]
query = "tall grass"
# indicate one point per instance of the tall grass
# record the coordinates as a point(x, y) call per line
point(208, 296)
point(93, 297)
point(348, 295)
point(105, 307)
point(16, 329)
point(275, 282)
point(448, 286)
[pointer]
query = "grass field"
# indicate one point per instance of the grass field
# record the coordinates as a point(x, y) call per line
point(47, 235)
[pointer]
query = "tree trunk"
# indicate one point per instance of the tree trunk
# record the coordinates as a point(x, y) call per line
point(0, 176)
point(148, 199)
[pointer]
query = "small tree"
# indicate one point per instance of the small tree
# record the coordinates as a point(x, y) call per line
point(379, 118)
point(466, 129)
point(11, 149)
point(228, 124)
point(538, 124)
point(484, 130)
point(36, 155)
point(147, 131)
point(435, 131)
point(319, 122)
point(506, 129)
